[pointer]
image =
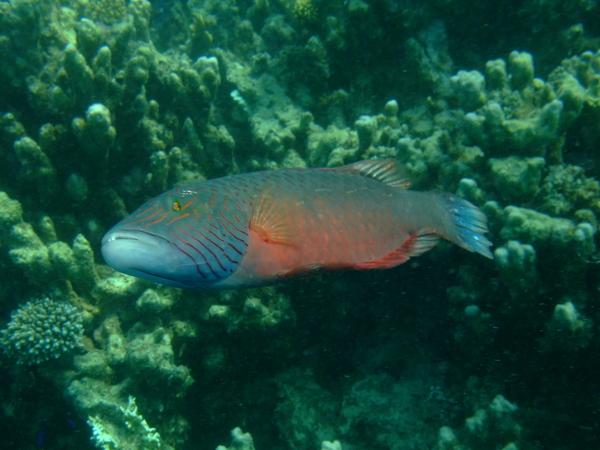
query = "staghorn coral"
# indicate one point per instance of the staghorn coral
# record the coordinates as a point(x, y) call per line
point(42, 330)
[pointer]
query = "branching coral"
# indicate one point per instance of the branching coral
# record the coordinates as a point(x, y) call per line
point(42, 330)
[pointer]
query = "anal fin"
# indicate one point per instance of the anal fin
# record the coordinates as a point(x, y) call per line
point(414, 245)
point(301, 271)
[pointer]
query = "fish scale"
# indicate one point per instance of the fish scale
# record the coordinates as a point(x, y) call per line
point(259, 228)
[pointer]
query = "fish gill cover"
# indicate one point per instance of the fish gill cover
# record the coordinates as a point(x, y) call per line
point(106, 104)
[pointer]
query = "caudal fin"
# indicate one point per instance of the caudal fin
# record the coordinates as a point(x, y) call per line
point(469, 225)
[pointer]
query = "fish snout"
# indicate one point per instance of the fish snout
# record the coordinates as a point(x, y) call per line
point(144, 255)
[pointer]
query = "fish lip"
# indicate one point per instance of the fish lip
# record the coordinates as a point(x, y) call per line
point(131, 235)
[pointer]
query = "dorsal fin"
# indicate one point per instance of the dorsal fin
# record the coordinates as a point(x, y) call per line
point(388, 171)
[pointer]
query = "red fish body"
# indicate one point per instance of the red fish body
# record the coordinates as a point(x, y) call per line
point(259, 228)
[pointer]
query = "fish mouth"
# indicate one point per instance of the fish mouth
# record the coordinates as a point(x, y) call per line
point(141, 236)
point(141, 254)
point(149, 256)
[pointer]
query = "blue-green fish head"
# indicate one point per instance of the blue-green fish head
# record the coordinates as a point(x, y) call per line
point(189, 237)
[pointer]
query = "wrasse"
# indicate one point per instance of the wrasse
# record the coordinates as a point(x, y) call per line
point(259, 228)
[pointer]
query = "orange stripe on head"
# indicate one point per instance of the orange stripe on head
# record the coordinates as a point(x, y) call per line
point(150, 208)
point(159, 219)
point(188, 203)
point(177, 218)
point(146, 218)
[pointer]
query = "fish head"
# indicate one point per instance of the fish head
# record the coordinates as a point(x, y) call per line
point(188, 237)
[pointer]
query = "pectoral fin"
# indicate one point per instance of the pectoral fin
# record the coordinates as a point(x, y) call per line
point(270, 220)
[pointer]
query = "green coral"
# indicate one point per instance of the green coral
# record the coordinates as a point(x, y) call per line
point(577, 80)
point(539, 229)
point(42, 330)
point(11, 213)
point(30, 253)
point(305, 11)
point(568, 329)
point(517, 179)
point(566, 189)
point(106, 11)
point(239, 441)
point(469, 89)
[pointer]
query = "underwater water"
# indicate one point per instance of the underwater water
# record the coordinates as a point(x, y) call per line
point(106, 104)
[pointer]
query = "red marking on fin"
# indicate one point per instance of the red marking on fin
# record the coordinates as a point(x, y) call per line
point(388, 171)
point(270, 222)
point(414, 245)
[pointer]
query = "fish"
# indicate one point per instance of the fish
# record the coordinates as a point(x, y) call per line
point(264, 227)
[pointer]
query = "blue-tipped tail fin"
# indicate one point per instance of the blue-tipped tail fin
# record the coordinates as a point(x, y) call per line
point(470, 225)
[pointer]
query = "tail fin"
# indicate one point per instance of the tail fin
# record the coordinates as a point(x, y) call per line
point(470, 225)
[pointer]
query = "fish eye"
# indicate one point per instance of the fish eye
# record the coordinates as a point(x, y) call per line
point(176, 205)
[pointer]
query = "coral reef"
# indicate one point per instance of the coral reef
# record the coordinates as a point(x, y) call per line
point(239, 441)
point(107, 103)
point(493, 425)
point(111, 436)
